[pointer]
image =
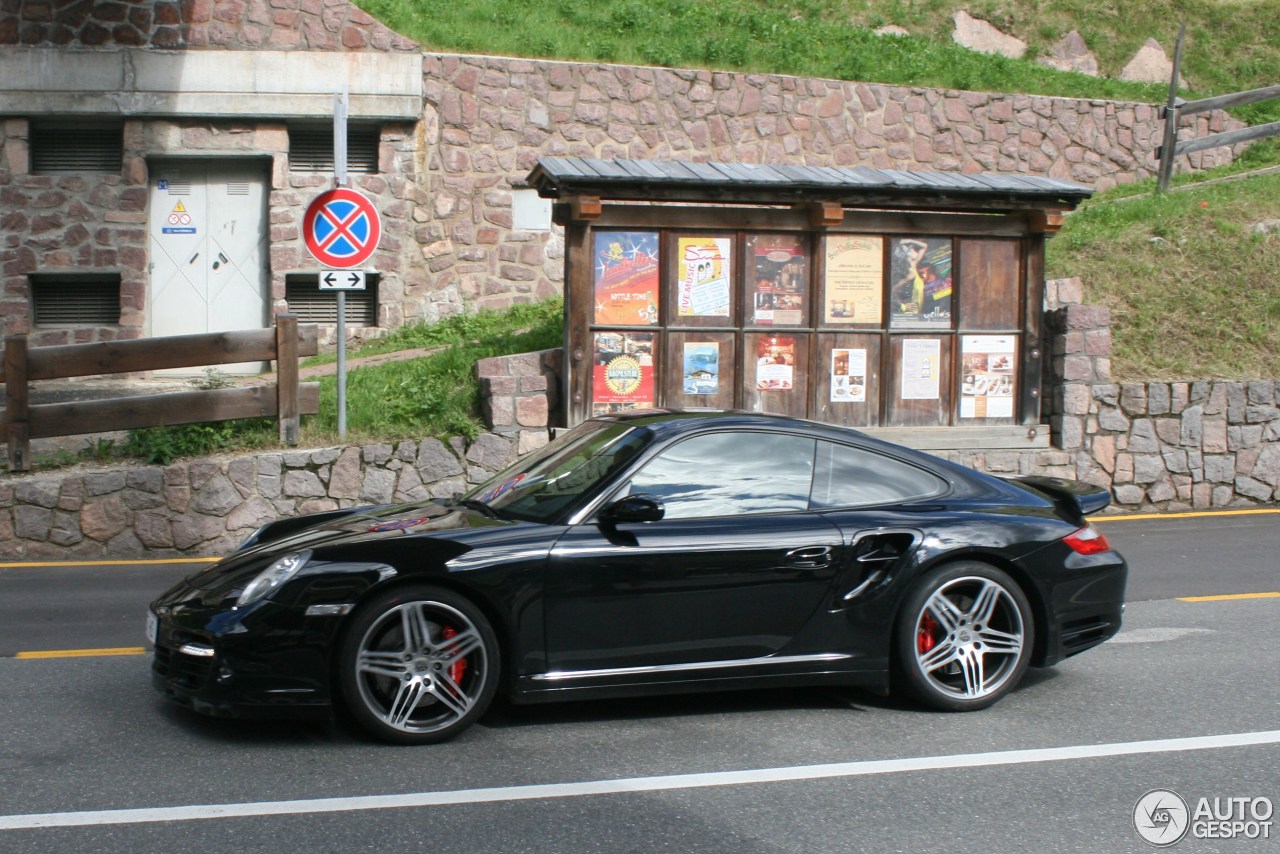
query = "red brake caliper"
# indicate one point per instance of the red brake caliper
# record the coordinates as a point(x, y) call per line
point(459, 667)
point(925, 635)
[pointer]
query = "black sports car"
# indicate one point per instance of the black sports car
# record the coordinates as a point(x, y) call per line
point(654, 552)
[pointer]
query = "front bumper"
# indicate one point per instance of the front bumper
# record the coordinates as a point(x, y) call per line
point(262, 661)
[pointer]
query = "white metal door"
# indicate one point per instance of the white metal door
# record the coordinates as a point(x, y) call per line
point(208, 250)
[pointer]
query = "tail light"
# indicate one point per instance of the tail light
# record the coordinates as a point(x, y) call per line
point(1087, 541)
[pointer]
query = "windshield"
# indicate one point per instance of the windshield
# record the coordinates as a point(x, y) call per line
point(542, 487)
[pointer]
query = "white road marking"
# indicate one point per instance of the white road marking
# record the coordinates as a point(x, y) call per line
point(1156, 635)
point(634, 784)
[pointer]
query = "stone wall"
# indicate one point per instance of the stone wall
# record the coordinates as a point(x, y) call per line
point(173, 24)
point(1194, 444)
point(520, 395)
point(445, 183)
point(207, 507)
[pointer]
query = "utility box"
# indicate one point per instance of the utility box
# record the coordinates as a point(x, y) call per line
point(906, 304)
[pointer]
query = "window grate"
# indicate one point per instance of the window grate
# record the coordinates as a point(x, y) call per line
point(311, 148)
point(76, 300)
point(59, 148)
point(312, 305)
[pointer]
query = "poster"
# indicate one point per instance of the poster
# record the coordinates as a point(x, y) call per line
point(703, 274)
point(701, 367)
point(987, 375)
point(921, 368)
point(626, 278)
point(854, 279)
point(920, 282)
point(780, 278)
point(775, 364)
point(622, 372)
point(848, 376)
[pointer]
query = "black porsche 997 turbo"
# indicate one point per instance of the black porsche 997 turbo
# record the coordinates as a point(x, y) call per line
point(647, 553)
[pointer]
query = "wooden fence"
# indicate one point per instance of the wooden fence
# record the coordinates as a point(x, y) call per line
point(287, 400)
point(1177, 108)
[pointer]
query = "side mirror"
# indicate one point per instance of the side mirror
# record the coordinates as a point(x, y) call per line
point(633, 508)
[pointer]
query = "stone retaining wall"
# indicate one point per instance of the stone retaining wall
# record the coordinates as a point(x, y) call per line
point(207, 507)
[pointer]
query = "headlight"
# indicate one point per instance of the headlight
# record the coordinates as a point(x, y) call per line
point(273, 576)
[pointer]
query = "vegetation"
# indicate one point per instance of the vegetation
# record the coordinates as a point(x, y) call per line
point(1230, 46)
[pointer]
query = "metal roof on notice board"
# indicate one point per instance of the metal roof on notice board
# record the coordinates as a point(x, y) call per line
point(681, 180)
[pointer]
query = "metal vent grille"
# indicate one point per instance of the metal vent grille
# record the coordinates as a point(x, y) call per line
point(237, 188)
point(311, 148)
point(179, 188)
point(59, 148)
point(312, 305)
point(76, 300)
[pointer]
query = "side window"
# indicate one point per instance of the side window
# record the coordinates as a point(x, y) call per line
point(730, 474)
point(852, 477)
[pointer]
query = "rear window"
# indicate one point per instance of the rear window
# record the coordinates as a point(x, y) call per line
point(846, 476)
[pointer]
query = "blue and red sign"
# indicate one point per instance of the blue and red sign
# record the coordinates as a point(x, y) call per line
point(341, 228)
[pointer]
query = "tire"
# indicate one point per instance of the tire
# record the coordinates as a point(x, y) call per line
point(417, 665)
point(963, 637)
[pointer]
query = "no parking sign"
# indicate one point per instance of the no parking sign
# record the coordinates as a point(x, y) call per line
point(341, 228)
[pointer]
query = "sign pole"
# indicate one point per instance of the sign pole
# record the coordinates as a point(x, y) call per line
point(340, 180)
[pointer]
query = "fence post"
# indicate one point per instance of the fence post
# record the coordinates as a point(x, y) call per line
point(1171, 114)
point(17, 411)
point(287, 405)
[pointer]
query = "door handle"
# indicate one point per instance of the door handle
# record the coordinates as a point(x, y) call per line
point(809, 557)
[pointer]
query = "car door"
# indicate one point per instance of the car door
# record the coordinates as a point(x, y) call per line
point(733, 571)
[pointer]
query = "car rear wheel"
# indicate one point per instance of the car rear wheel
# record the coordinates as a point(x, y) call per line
point(963, 638)
point(418, 665)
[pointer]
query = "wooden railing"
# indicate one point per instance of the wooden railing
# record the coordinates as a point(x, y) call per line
point(1171, 149)
point(288, 400)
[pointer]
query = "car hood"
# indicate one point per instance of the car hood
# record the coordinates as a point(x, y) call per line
point(349, 535)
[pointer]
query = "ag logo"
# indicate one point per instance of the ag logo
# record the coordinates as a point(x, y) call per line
point(1161, 817)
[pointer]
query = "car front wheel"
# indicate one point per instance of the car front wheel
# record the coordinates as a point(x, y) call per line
point(418, 665)
point(964, 637)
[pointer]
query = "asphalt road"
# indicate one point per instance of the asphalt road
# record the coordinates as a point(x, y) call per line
point(1184, 698)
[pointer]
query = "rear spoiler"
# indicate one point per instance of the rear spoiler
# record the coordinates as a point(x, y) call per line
point(1074, 496)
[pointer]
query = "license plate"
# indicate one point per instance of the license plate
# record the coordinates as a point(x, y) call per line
point(153, 626)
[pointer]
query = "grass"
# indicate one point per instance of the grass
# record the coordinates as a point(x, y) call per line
point(1230, 46)
point(1192, 286)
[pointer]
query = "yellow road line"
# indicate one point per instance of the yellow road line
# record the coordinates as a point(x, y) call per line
point(158, 561)
point(1228, 597)
point(1199, 514)
point(81, 653)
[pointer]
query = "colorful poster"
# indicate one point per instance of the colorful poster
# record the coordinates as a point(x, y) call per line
point(775, 364)
point(622, 372)
point(921, 368)
point(704, 273)
point(626, 278)
point(920, 277)
point(781, 280)
point(848, 376)
point(987, 375)
point(854, 279)
point(701, 367)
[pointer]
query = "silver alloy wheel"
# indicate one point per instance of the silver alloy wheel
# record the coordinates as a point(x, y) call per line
point(970, 637)
point(421, 666)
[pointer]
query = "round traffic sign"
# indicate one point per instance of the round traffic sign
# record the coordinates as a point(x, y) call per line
point(341, 228)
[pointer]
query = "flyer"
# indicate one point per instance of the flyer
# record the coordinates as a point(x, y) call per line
point(626, 278)
point(920, 282)
point(921, 368)
point(854, 279)
point(775, 364)
point(622, 372)
point(987, 375)
point(781, 279)
point(701, 367)
point(704, 273)
point(848, 376)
